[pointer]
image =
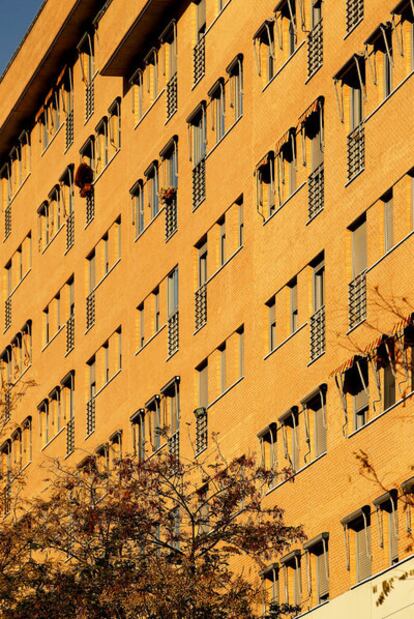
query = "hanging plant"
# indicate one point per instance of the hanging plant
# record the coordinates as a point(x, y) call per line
point(84, 179)
point(167, 194)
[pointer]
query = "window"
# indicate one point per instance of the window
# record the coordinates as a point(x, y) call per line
point(101, 146)
point(67, 192)
point(170, 394)
point(27, 441)
point(115, 448)
point(286, 165)
point(264, 47)
point(138, 432)
point(154, 417)
point(218, 111)
point(137, 194)
point(86, 49)
point(314, 406)
point(293, 285)
point(387, 514)
point(203, 510)
point(114, 127)
point(200, 19)
point(356, 380)
point(202, 371)
point(198, 129)
point(92, 377)
point(16, 451)
point(289, 425)
point(169, 156)
point(385, 361)
point(292, 577)
point(270, 578)
point(156, 304)
point(319, 284)
point(67, 396)
point(265, 174)
point(141, 325)
point(137, 84)
point(317, 320)
point(173, 292)
point(151, 175)
point(318, 572)
point(358, 542)
point(235, 73)
point(223, 365)
point(202, 262)
point(87, 153)
point(359, 246)
point(240, 336)
point(388, 220)
point(357, 84)
point(222, 224)
point(286, 25)
point(43, 409)
point(268, 447)
point(271, 321)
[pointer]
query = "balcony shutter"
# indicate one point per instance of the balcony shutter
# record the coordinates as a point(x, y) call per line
point(363, 550)
point(393, 533)
point(322, 573)
point(320, 431)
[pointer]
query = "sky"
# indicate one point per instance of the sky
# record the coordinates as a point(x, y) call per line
point(15, 17)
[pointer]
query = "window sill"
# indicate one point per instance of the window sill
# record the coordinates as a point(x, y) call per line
point(53, 438)
point(107, 383)
point(145, 114)
point(287, 61)
point(351, 180)
point(138, 236)
point(195, 208)
point(42, 251)
point(27, 368)
point(219, 14)
point(381, 414)
point(106, 275)
point(312, 361)
point(153, 336)
point(54, 336)
point(387, 253)
point(236, 122)
point(292, 477)
point(106, 167)
point(19, 284)
point(349, 32)
point(379, 106)
point(302, 326)
point(224, 393)
point(172, 354)
point(351, 329)
point(279, 208)
point(58, 130)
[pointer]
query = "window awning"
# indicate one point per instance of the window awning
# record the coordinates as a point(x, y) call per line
point(316, 540)
point(284, 139)
point(314, 107)
point(384, 498)
point(403, 7)
point(265, 160)
point(288, 414)
point(377, 33)
point(356, 514)
point(348, 66)
point(271, 428)
point(292, 556)
point(408, 485)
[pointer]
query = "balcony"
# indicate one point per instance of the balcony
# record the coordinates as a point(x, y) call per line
point(173, 334)
point(200, 305)
point(357, 300)
point(70, 231)
point(356, 152)
point(199, 183)
point(199, 60)
point(317, 333)
point(90, 310)
point(70, 334)
point(70, 436)
point(315, 49)
point(316, 192)
point(172, 100)
point(90, 416)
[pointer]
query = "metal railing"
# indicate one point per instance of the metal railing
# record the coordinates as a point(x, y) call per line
point(201, 431)
point(317, 333)
point(70, 436)
point(70, 230)
point(356, 151)
point(7, 221)
point(199, 183)
point(173, 334)
point(7, 494)
point(7, 313)
point(174, 445)
point(90, 416)
point(7, 404)
point(315, 49)
point(89, 99)
point(354, 13)
point(357, 295)
point(90, 310)
point(90, 207)
point(316, 191)
point(199, 60)
point(200, 306)
point(172, 98)
point(70, 333)
point(70, 129)
point(170, 218)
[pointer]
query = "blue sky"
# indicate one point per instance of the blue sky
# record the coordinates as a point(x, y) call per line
point(16, 17)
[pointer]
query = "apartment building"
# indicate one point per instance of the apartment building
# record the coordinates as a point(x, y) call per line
point(206, 231)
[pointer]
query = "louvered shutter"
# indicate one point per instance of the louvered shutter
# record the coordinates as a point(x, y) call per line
point(320, 431)
point(322, 575)
point(363, 551)
point(393, 534)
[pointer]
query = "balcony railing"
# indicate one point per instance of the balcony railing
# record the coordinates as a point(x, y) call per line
point(315, 49)
point(174, 445)
point(354, 13)
point(70, 231)
point(70, 129)
point(170, 218)
point(90, 416)
point(199, 60)
point(7, 404)
point(90, 207)
point(357, 300)
point(7, 495)
point(317, 333)
point(173, 334)
point(316, 193)
point(70, 436)
point(7, 313)
point(199, 183)
point(200, 306)
point(356, 151)
point(89, 99)
point(70, 333)
point(7, 221)
point(172, 99)
point(90, 310)
point(201, 430)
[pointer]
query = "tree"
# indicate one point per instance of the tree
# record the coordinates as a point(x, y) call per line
point(152, 539)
